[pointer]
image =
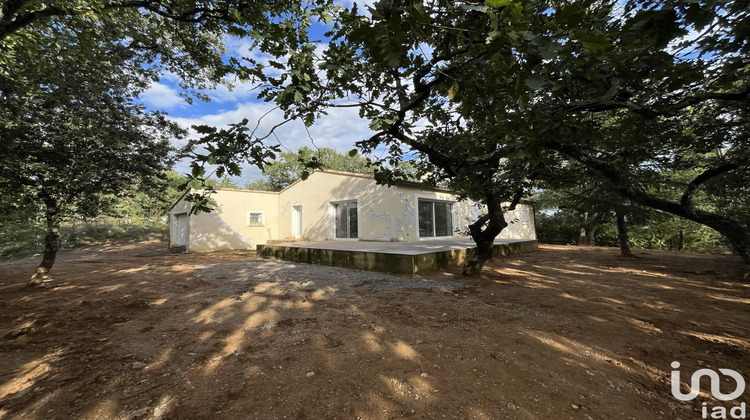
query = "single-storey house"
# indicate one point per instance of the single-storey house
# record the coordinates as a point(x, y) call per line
point(333, 206)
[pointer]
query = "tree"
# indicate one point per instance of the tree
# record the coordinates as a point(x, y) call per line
point(573, 187)
point(622, 234)
point(77, 140)
point(494, 94)
point(144, 203)
point(583, 205)
point(409, 77)
point(183, 37)
point(259, 184)
point(402, 71)
point(591, 204)
point(642, 105)
point(615, 86)
point(292, 166)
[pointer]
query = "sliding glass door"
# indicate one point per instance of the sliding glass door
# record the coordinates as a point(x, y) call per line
point(346, 220)
point(435, 219)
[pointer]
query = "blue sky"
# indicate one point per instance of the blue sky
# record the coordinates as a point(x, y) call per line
point(339, 130)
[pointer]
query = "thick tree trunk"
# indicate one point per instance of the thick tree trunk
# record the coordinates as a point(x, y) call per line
point(582, 237)
point(51, 245)
point(590, 235)
point(485, 238)
point(478, 258)
point(622, 235)
point(586, 235)
point(737, 236)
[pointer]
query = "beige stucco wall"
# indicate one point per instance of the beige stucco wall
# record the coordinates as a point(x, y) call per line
point(375, 204)
point(226, 227)
point(461, 212)
point(384, 213)
point(521, 224)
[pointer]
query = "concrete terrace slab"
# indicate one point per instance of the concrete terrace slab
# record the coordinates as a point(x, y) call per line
point(392, 257)
point(403, 248)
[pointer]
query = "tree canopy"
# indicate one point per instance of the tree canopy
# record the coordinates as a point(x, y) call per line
point(76, 139)
point(499, 94)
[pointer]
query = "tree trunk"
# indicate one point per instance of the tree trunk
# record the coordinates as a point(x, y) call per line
point(590, 235)
point(582, 237)
point(622, 235)
point(51, 244)
point(485, 238)
point(478, 257)
point(737, 236)
point(586, 235)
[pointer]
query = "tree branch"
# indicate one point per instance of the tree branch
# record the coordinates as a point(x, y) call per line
point(516, 199)
point(608, 102)
point(687, 197)
point(625, 188)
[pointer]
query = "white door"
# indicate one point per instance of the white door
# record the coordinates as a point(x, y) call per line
point(181, 222)
point(297, 222)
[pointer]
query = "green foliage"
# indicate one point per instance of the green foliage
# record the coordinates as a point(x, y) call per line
point(140, 214)
point(613, 86)
point(24, 240)
point(224, 150)
point(498, 95)
point(259, 184)
point(293, 166)
point(76, 139)
point(182, 37)
point(72, 132)
point(563, 226)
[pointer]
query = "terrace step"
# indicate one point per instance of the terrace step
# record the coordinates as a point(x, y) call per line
point(283, 241)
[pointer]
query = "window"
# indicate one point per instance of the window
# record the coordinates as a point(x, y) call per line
point(435, 219)
point(346, 220)
point(255, 218)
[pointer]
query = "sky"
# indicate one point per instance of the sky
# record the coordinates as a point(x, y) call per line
point(339, 130)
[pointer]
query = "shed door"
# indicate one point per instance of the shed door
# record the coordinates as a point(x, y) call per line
point(181, 220)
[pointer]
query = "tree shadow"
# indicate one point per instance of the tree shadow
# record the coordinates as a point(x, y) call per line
point(143, 334)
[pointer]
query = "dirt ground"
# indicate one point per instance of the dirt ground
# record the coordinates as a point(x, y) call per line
point(132, 332)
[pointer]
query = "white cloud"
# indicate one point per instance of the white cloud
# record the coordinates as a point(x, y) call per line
point(240, 92)
point(243, 50)
point(161, 96)
point(339, 130)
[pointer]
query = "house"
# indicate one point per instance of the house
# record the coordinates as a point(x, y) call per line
point(333, 206)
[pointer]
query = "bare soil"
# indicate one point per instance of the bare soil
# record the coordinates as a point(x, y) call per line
point(133, 332)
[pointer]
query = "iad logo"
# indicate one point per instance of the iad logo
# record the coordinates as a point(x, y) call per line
point(717, 412)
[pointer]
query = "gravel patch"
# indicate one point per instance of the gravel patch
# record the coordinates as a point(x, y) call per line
point(281, 277)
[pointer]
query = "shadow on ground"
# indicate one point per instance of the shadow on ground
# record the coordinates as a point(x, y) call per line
point(133, 332)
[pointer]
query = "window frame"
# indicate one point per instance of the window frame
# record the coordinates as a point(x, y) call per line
point(432, 201)
point(334, 205)
point(262, 218)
